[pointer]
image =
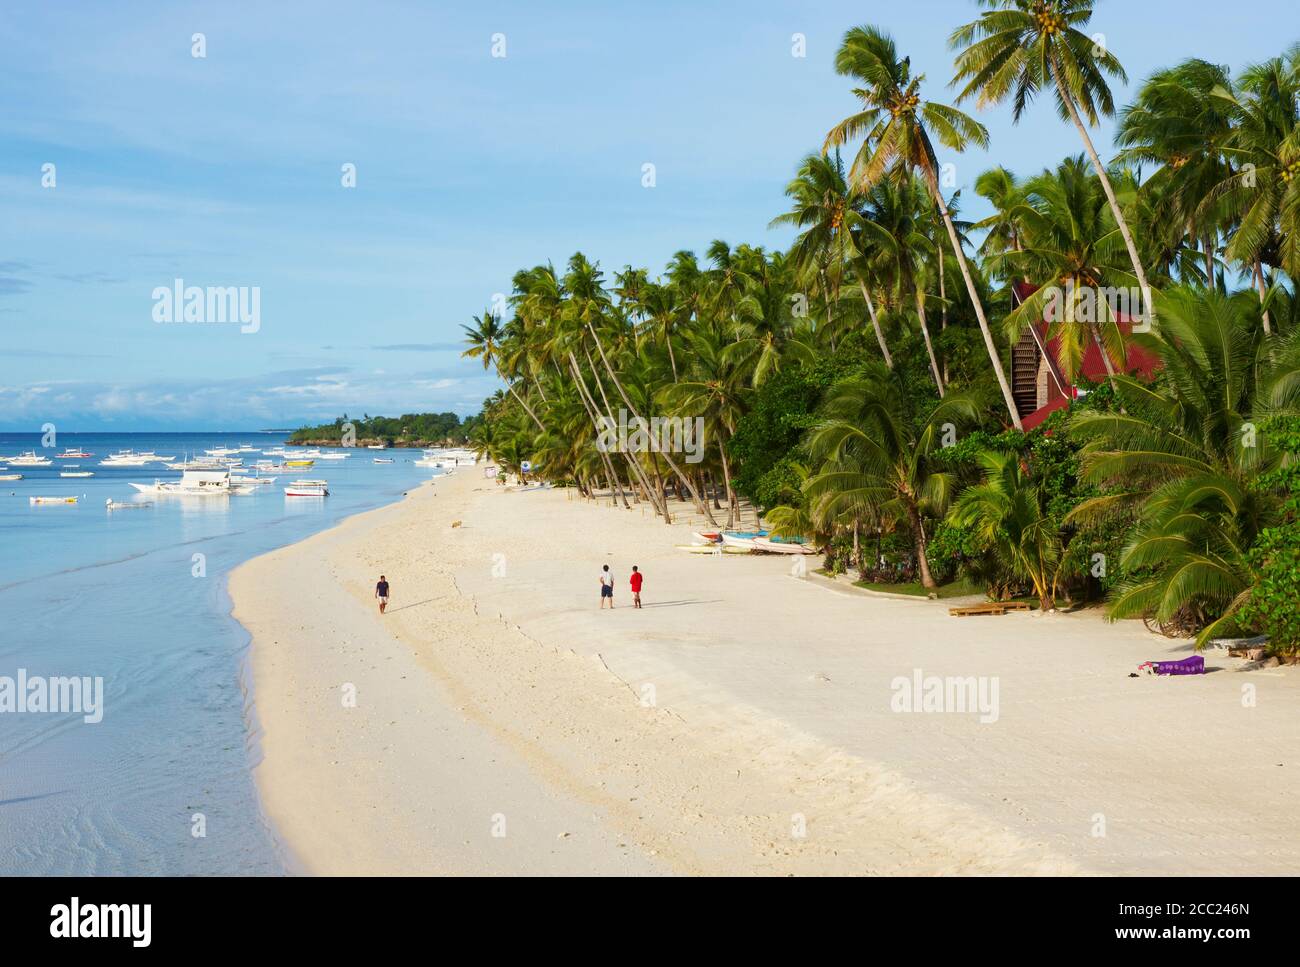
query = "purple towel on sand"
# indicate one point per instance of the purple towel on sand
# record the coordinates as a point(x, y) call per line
point(1195, 665)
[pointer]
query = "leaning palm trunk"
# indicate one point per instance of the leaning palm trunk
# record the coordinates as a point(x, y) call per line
point(732, 508)
point(943, 310)
point(525, 405)
point(875, 323)
point(918, 537)
point(631, 461)
point(631, 409)
point(929, 346)
point(1106, 186)
point(1105, 356)
point(994, 357)
point(1259, 287)
point(590, 406)
point(672, 360)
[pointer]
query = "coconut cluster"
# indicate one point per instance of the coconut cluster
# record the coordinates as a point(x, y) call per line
point(1049, 21)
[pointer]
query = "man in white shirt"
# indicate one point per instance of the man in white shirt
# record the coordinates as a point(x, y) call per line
point(606, 588)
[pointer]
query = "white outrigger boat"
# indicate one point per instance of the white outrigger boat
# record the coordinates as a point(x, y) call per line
point(76, 473)
point(29, 459)
point(256, 481)
point(112, 504)
point(307, 488)
point(11, 476)
point(198, 463)
point(783, 545)
point(196, 483)
point(741, 538)
point(51, 500)
point(129, 458)
point(72, 453)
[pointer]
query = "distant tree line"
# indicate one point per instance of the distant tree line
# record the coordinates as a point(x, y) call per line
point(409, 430)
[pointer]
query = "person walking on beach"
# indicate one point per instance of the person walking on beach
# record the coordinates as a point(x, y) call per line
point(636, 587)
point(381, 592)
point(606, 588)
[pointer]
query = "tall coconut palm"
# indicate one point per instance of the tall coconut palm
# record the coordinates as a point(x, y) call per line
point(1020, 47)
point(895, 125)
point(1262, 191)
point(1180, 123)
point(894, 231)
point(824, 209)
point(1005, 227)
point(587, 303)
point(1069, 243)
point(486, 337)
point(713, 390)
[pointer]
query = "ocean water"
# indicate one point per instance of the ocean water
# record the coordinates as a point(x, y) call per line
point(122, 596)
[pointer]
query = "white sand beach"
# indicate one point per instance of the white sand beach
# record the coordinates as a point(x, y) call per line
point(740, 723)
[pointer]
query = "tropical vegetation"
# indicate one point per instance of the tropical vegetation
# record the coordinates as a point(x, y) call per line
point(409, 430)
point(860, 388)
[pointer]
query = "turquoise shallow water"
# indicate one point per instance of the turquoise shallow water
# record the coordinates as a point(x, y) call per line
point(86, 592)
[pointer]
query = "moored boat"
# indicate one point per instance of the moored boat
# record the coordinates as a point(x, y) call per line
point(29, 459)
point(195, 483)
point(51, 500)
point(307, 488)
point(112, 504)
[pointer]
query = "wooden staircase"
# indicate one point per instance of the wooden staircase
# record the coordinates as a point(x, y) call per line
point(1025, 359)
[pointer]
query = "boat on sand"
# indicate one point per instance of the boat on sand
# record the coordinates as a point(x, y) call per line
point(741, 538)
point(783, 545)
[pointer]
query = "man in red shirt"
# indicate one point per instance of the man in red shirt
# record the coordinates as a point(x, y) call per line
point(636, 587)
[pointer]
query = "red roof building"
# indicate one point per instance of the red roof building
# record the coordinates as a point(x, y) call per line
point(1037, 383)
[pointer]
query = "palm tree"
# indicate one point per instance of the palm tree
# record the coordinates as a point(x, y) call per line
point(1022, 46)
point(1262, 190)
point(895, 125)
point(893, 229)
point(1008, 514)
point(1068, 239)
point(1005, 227)
point(1185, 454)
point(486, 337)
point(587, 302)
point(874, 453)
point(1180, 123)
point(825, 209)
point(713, 390)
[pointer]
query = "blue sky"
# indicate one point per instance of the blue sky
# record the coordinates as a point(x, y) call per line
point(225, 171)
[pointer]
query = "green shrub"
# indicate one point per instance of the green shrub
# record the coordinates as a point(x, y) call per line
point(1272, 608)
